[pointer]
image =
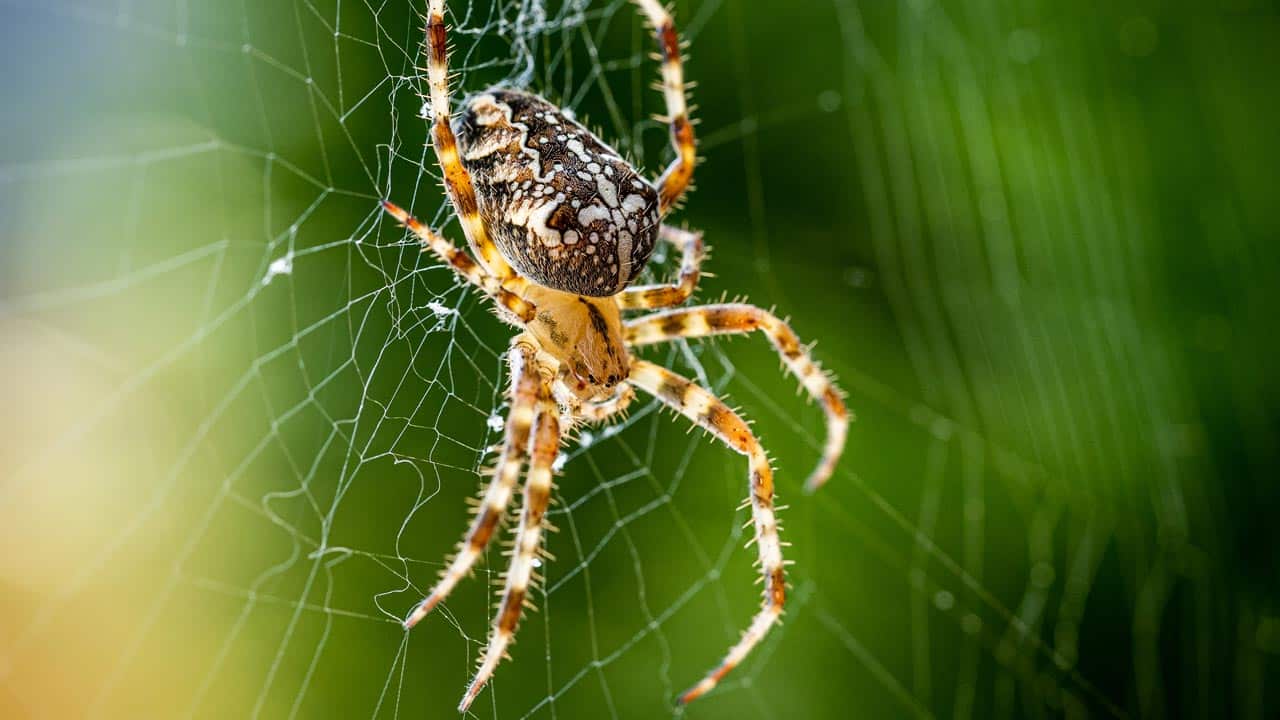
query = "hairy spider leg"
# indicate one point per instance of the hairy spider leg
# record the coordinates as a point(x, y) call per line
point(692, 253)
point(525, 387)
point(602, 410)
point(462, 264)
point(737, 318)
point(537, 497)
point(677, 177)
point(456, 178)
point(575, 409)
point(707, 411)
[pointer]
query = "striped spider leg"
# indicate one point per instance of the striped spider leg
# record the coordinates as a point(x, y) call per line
point(526, 389)
point(593, 411)
point(528, 542)
point(457, 180)
point(502, 292)
point(692, 254)
point(707, 411)
point(533, 412)
point(678, 176)
point(739, 318)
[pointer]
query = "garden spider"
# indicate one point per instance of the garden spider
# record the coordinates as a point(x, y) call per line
point(560, 225)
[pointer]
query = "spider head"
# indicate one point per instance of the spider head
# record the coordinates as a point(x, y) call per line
point(585, 335)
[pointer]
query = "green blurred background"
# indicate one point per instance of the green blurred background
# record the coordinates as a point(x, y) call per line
point(1036, 241)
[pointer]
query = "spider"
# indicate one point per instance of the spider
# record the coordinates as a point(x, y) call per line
point(559, 226)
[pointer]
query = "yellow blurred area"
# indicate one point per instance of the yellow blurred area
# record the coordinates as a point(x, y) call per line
point(94, 378)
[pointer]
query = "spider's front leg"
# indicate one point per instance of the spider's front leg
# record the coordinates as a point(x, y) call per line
point(675, 181)
point(692, 253)
point(537, 497)
point(526, 386)
point(707, 411)
point(457, 180)
point(465, 267)
point(736, 318)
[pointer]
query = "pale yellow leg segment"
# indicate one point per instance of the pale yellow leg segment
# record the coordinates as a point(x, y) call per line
point(456, 178)
point(692, 253)
point(537, 497)
point(740, 318)
point(596, 412)
point(464, 266)
point(707, 411)
point(675, 181)
point(525, 386)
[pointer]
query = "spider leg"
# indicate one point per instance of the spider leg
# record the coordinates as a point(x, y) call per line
point(462, 264)
point(692, 253)
point(736, 318)
point(456, 178)
point(525, 387)
point(704, 409)
point(537, 496)
point(597, 412)
point(675, 180)
point(592, 411)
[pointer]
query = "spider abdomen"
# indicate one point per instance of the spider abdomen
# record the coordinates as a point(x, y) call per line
point(563, 207)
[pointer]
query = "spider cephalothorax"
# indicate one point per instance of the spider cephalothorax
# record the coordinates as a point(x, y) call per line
point(560, 225)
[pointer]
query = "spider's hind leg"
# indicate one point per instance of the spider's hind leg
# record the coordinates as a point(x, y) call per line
point(537, 497)
point(704, 409)
point(526, 386)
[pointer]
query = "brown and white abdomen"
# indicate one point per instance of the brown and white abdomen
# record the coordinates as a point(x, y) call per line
point(563, 208)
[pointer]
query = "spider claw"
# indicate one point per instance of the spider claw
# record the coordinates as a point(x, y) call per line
point(393, 210)
point(816, 480)
point(469, 698)
point(703, 686)
point(421, 610)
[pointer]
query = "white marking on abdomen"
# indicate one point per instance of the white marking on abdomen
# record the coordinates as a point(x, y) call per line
point(549, 236)
point(624, 259)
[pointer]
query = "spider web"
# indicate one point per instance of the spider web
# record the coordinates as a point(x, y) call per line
point(251, 409)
